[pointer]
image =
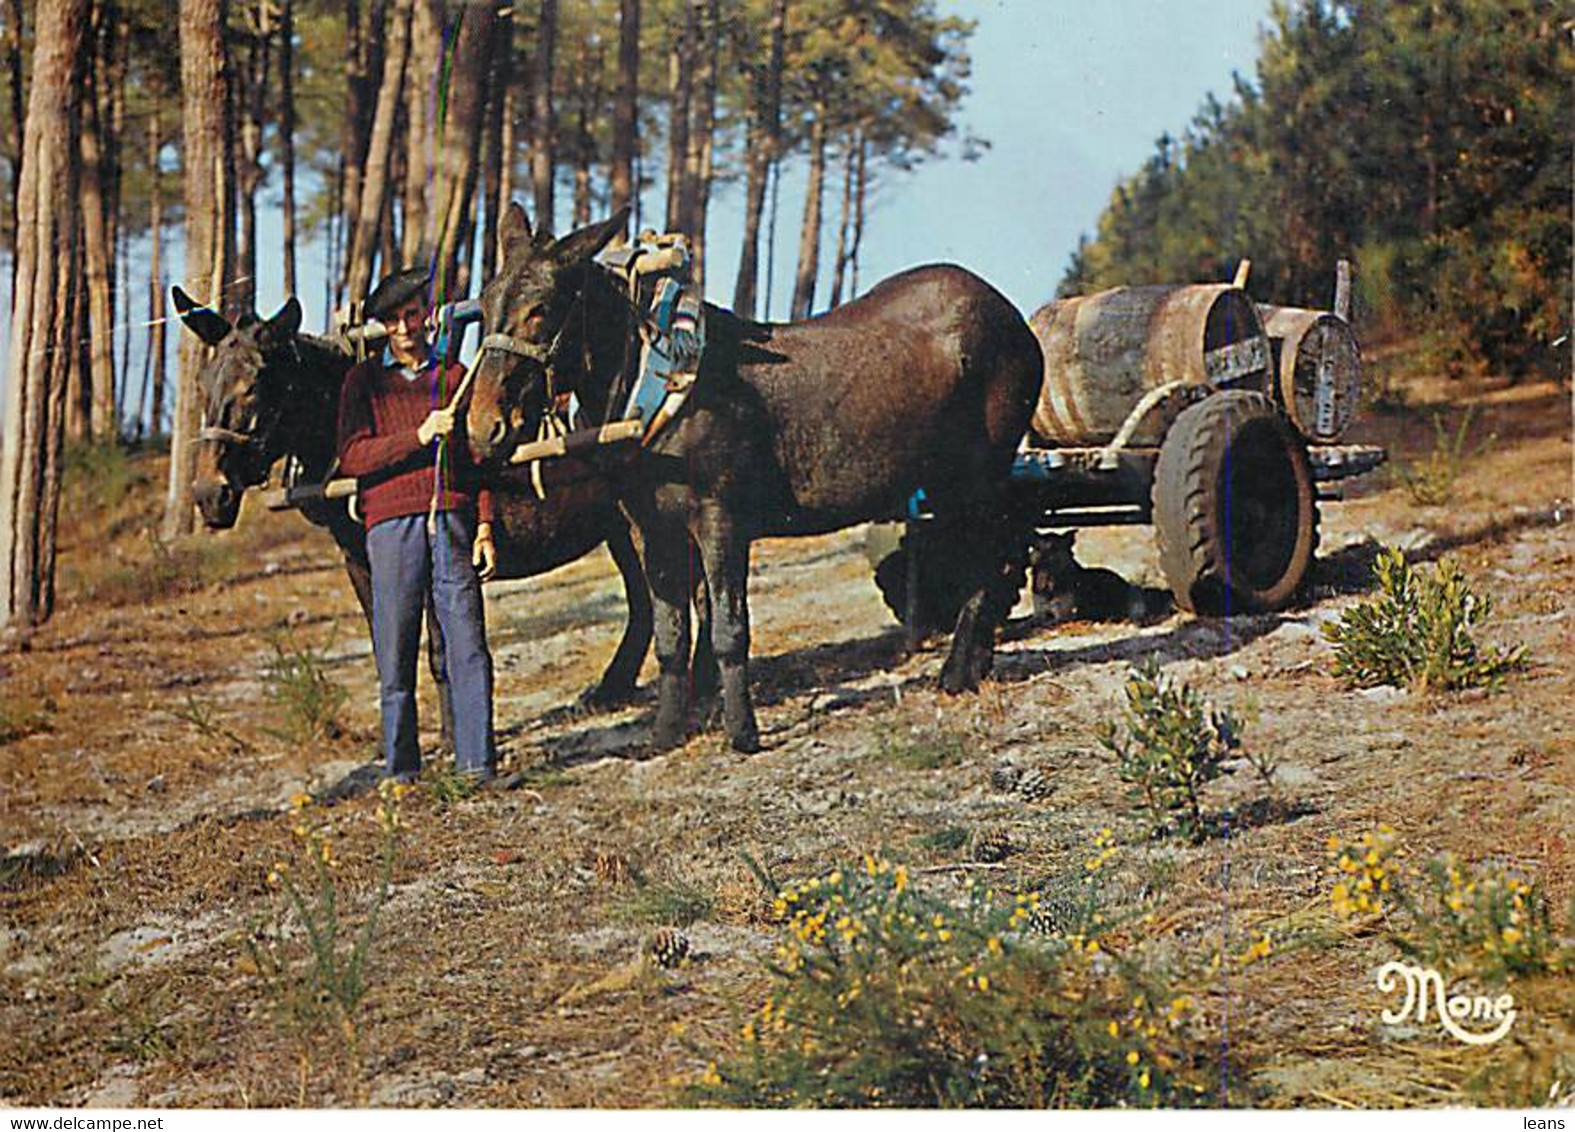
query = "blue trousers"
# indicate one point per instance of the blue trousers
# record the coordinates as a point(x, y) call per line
point(406, 562)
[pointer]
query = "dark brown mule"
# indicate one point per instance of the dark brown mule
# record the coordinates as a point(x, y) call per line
point(926, 382)
point(270, 391)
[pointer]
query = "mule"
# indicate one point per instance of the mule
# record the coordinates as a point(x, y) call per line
point(927, 381)
point(270, 391)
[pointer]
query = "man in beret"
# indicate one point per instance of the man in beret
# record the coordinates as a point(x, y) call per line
point(399, 437)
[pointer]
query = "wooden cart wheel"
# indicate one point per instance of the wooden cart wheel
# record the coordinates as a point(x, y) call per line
point(1234, 509)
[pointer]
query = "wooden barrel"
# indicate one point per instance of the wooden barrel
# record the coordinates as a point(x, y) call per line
point(1319, 370)
point(1103, 352)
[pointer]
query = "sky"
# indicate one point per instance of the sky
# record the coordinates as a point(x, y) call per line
point(1070, 94)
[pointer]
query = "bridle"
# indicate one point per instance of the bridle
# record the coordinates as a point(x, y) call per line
point(547, 355)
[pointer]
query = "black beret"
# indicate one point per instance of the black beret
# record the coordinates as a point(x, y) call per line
point(397, 290)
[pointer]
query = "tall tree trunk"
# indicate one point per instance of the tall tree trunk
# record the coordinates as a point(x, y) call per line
point(775, 173)
point(252, 98)
point(79, 373)
point(766, 128)
point(459, 161)
point(543, 126)
point(15, 123)
point(860, 185)
point(425, 70)
point(99, 329)
point(363, 48)
point(626, 123)
point(45, 280)
point(499, 204)
point(371, 209)
point(153, 363)
point(680, 92)
point(495, 153)
point(589, 112)
point(208, 179)
point(699, 165)
point(809, 232)
point(287, 136)
point(845, 219)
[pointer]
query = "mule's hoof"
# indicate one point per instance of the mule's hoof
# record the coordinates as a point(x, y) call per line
point(604, 696)
point(746, 742)
point(958, 677)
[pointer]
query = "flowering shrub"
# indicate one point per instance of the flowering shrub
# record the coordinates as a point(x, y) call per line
point(1417, 630)
point(1480, 921)
point(883, 996)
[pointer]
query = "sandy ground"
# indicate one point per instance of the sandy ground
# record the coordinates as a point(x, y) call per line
point(141, 826)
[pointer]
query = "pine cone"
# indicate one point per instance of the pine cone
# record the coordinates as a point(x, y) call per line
point(1005, 776)
point(1054, 913)
point(612, 868)
point(991, 845)
point(668, 947)
point(1035, 785)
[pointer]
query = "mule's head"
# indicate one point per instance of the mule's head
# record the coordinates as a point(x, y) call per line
point(244, 388)
point(526, 309)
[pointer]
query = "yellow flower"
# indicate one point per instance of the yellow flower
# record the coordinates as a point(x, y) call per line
point(993, 945)
point(1512, 935)
point(984, 982)
point(1132, 1057)
point(1143, 1079)
point(1114, 1028)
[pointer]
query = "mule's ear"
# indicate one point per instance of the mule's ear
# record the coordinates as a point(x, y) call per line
point(581, 245)
point(208, 325)
point(516, 226)
point(287, 323)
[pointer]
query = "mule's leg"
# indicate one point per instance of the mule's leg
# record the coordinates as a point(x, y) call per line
point(437, 663)
point(706, 679)
point(623, 672)
point(726, 556)
point(667, 569)
point(972, 653)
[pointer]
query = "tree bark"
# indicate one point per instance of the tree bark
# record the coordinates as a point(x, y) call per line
point(543, 126)
point(370, 210)
point(98, 331)
point(208, 179)
point(153, 362)
point(626, 107)
point(844, 220)
point(287, 137)
point(459, 162)
point(46, 234)
point(680, 91)
point(252, 97)
point(766, 128)
point(809, 233)
point(859, 192)
point(79, 371)
point(588, 100)
point(424, 68)
point(16, 123)
point(360, 45)
point(493, 174)
point(699, 166)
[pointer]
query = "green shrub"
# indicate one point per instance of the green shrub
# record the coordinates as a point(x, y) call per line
point(167, 570)
point(1430, 482)
point(318, 997)
point(1175, 744)
point(298, 684)
point(882, 997)
point(921, 749)
point(1417, 631)
point(672, 902)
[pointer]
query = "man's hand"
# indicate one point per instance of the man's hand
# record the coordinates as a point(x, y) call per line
point(484, 556)
point(439, 422)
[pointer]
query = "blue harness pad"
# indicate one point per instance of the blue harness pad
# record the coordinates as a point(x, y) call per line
point(657, 362)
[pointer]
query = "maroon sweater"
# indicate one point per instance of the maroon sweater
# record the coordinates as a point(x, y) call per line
point(379, 414)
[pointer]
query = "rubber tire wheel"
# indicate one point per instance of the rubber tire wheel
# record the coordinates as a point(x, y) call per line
point(1235, 513)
